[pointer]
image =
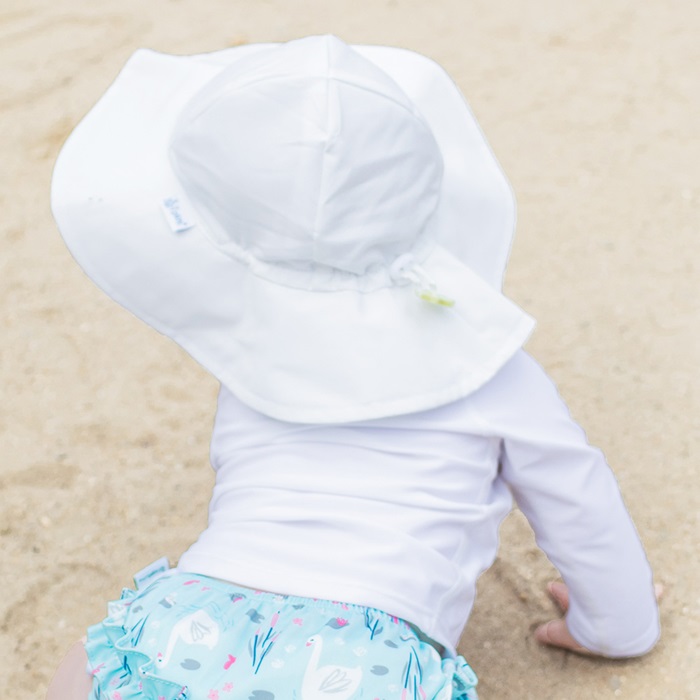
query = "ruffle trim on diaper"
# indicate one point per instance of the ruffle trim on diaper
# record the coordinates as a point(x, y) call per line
point(464, 679)
point(121, 671)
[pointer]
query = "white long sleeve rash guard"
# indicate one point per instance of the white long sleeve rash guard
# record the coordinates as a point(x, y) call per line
point(402, 513)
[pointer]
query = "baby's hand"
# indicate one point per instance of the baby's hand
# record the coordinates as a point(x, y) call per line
point(555, 632)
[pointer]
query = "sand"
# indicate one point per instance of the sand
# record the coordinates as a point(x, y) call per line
point(593, 110)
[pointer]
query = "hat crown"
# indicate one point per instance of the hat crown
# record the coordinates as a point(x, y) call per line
point(310, 164)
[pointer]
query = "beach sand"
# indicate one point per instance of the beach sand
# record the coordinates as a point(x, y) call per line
point(593, 110)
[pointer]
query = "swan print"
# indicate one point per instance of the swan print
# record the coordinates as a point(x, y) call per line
point(322, 682)
point(197, 628)
point(249, 645)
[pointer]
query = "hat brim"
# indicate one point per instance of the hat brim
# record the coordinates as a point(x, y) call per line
point(295, 355)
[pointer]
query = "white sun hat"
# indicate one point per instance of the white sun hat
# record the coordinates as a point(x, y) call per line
point(323, 227)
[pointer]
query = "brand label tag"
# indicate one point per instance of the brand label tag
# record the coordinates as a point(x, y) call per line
point(175, 210)
point(150, 573)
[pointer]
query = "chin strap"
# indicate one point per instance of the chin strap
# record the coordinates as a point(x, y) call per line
point(405, 268)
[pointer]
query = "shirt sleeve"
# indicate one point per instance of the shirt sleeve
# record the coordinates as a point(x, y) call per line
point(572, 501)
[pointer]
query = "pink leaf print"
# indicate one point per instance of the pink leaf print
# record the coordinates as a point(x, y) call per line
point(231, 660)
point(189, 583)
point(273, 622)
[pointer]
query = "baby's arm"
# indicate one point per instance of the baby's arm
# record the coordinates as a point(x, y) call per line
point(572, 501)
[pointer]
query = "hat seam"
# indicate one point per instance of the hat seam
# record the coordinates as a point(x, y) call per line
point(410, 109)
point(322, 179)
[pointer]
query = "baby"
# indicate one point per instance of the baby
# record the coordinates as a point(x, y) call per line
point(325, 229)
